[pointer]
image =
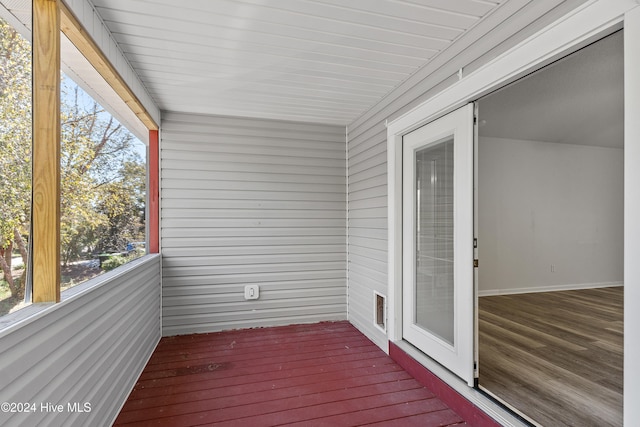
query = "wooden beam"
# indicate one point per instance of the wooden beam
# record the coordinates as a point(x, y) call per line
point(46, 151)
point(154, 192)
point(72, 28)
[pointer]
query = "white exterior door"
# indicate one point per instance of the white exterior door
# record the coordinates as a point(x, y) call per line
point(437, 284)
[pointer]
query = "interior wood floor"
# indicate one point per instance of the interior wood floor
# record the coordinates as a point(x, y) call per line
point(555, 356)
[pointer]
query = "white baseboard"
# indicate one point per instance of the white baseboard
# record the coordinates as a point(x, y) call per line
point(551, 288)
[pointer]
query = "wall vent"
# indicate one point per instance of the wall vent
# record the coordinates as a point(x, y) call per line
point(380, 311)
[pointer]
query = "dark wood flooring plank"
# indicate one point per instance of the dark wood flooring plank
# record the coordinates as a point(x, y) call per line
point(555, 356)
point(560, 396)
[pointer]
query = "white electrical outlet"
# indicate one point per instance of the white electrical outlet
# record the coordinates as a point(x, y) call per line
point(251, 292)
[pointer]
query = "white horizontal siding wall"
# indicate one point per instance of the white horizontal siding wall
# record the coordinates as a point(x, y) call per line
point(367, 151)
point(90, 348)
point(251, 202)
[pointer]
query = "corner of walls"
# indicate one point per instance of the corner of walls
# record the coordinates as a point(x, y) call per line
point(367, 145)
point(346, 196)
point(257, 202)
point(367, 239)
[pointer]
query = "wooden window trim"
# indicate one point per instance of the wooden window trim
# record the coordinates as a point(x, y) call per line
point(50, 17)
point(46, 151)
point(72, 28)
point(154, 192)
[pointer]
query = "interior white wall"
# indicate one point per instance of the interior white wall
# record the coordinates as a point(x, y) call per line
point(547, 204)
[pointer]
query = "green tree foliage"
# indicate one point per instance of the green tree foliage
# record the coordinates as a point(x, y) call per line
point(15, 148)
point(103, 179)
point(123, 205)
point(102, 173)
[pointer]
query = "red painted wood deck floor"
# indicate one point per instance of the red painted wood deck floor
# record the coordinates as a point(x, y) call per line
point(324, 374)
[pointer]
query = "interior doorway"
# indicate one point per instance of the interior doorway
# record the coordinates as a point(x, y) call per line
point(551, 239)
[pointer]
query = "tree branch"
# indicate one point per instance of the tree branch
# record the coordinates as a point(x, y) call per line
point(21, 245)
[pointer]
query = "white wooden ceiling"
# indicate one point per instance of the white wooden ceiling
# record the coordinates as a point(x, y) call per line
point(329, 61)
point(324, 61)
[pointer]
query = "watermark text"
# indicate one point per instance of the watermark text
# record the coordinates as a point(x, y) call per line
point(45, 407)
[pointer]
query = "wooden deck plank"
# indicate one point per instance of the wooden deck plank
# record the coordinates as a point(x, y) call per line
point(227, 375)
point(297, 409)
point(207, 342)
point(274, 344)
point(276, 401)
point(430, 415)
point(260, 383)
point(445, 417)
point(268, 358)
point(320, 374)
point(261, 392)
point(203, 351)
point(267, 363)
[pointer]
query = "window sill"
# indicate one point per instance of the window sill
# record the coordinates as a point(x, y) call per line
point(26, 315)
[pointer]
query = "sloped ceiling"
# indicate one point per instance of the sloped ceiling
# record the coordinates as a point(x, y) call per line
point(577, 100)
point(324, 61)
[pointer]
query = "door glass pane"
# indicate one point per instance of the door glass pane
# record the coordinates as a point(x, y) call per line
point(434, 240)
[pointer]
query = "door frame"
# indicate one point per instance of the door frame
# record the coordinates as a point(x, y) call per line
point(459, 355)
point(580, 27)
